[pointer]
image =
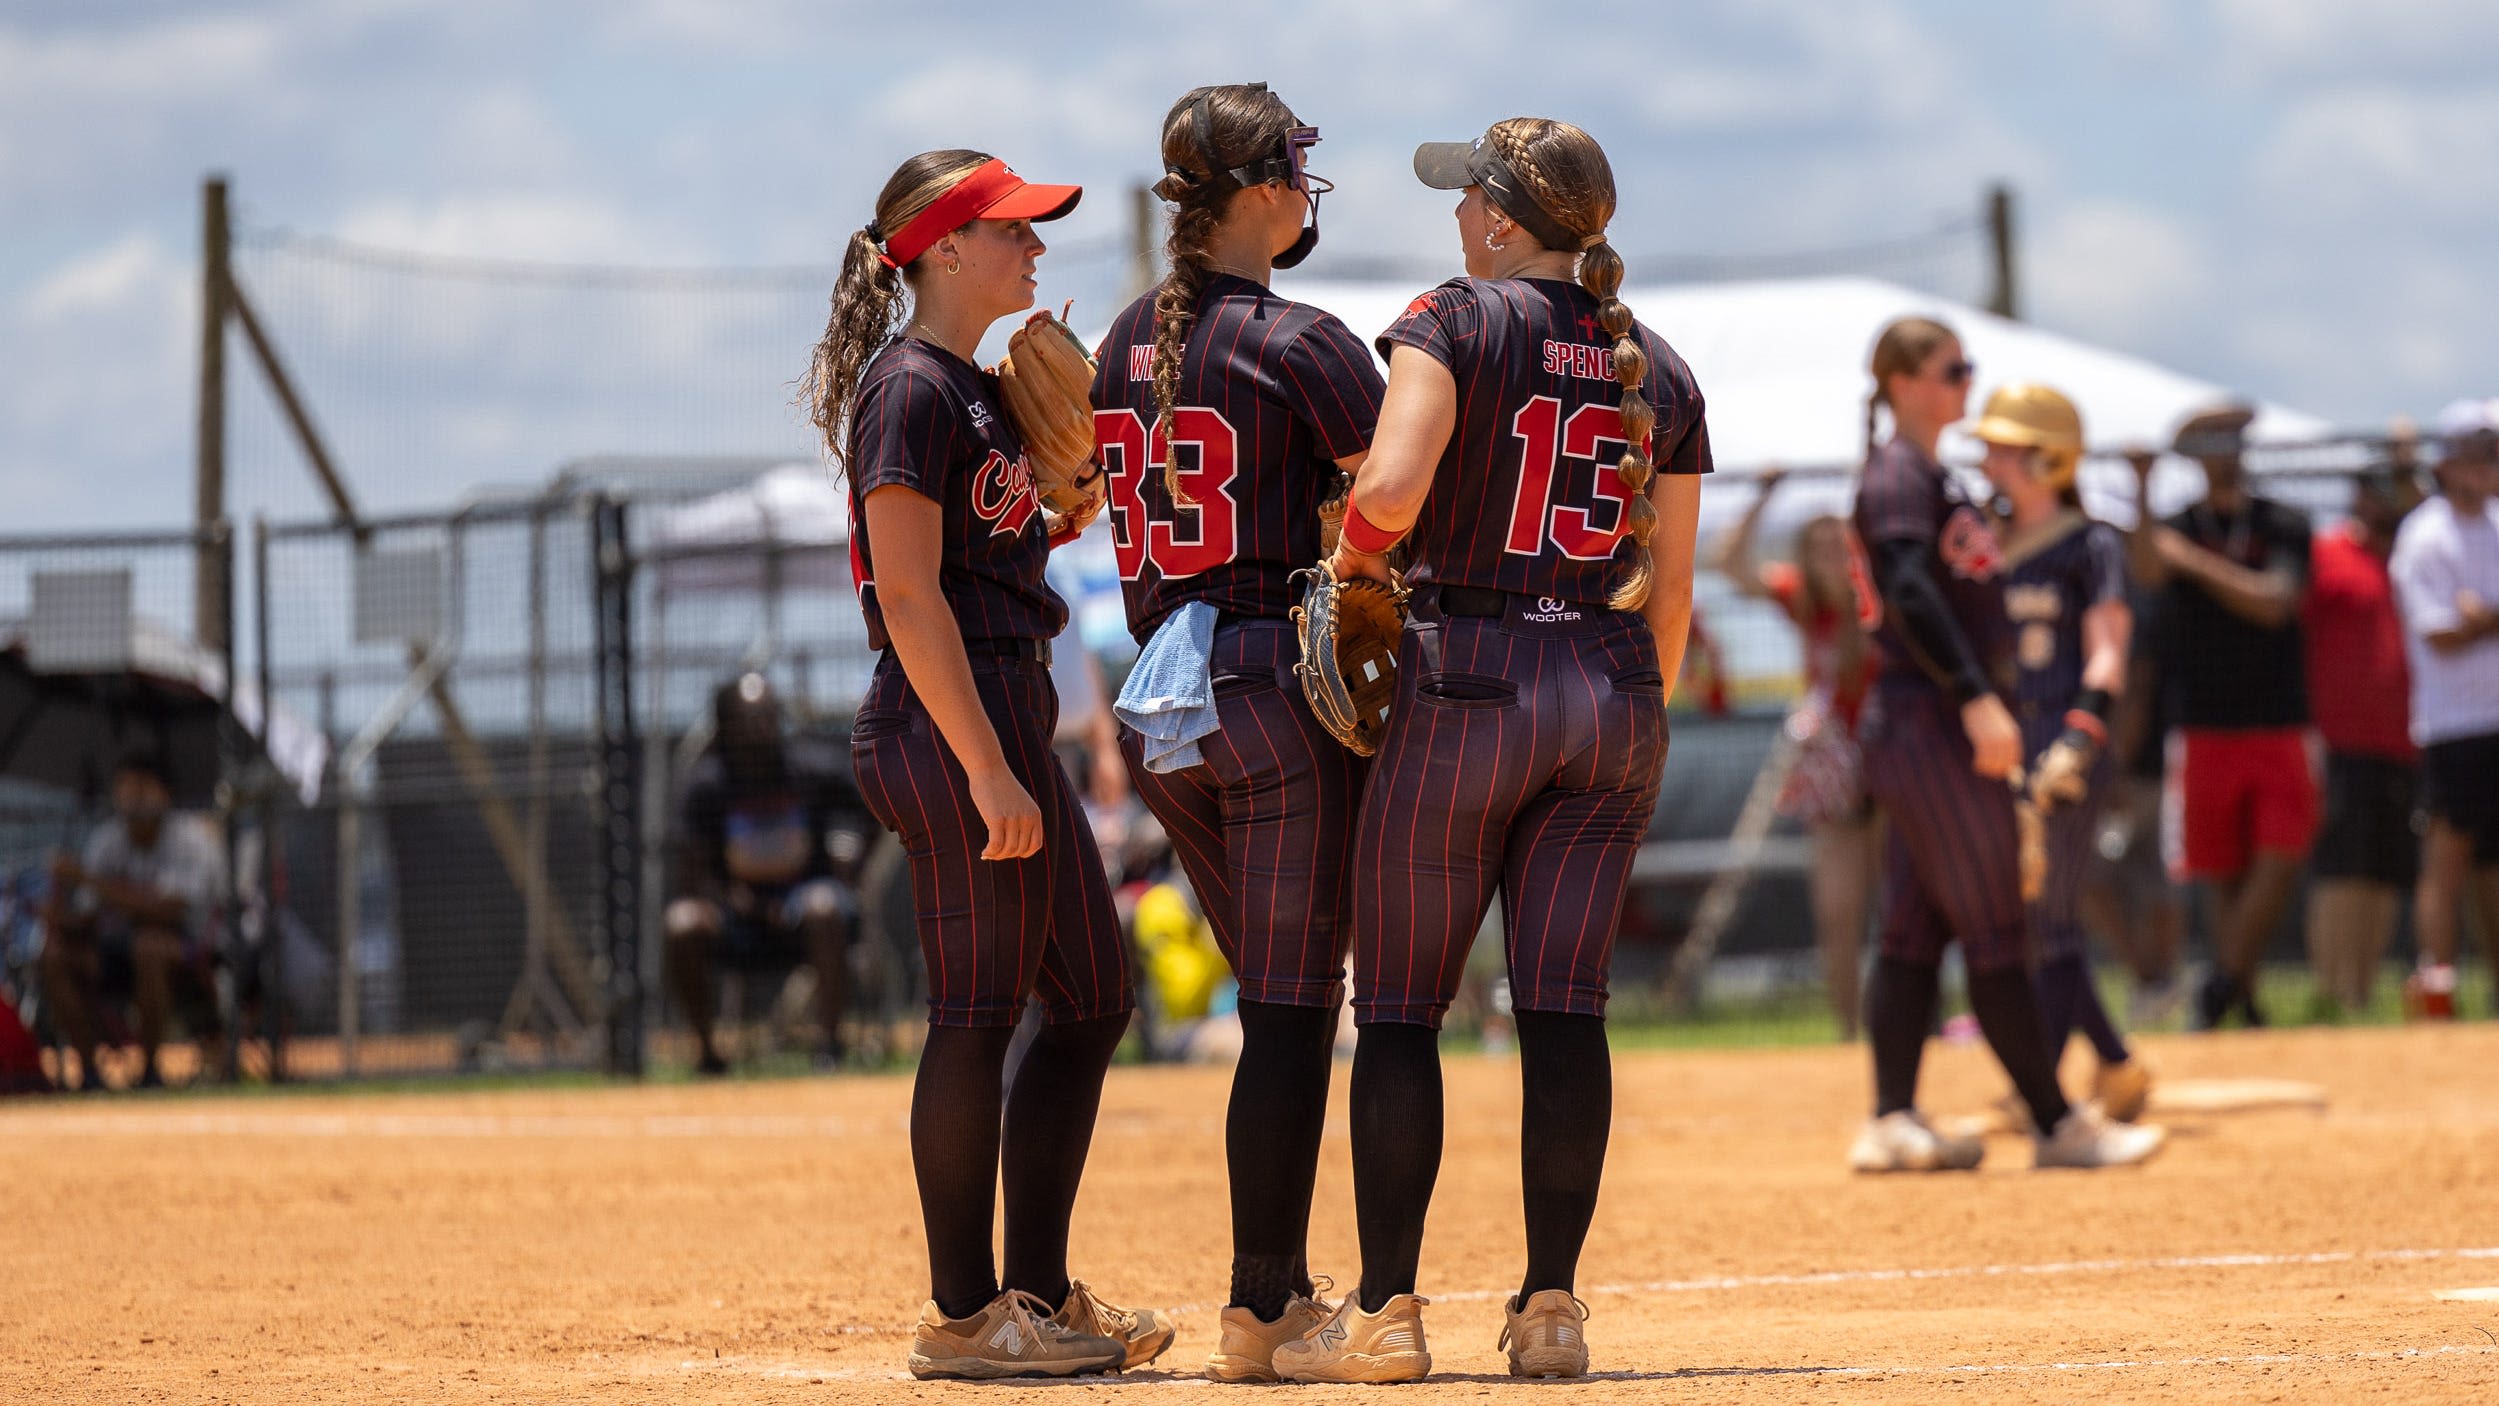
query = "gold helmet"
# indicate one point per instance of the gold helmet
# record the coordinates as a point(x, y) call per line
point(2032, 416)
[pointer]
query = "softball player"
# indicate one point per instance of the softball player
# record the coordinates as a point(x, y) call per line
point(2065, 595)
point(1552, 576)
point(952, 751)
point(1940, 744)
point(1225, 414)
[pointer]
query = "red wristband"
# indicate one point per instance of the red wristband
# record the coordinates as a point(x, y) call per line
point(2089, 724)
point(1364, 536)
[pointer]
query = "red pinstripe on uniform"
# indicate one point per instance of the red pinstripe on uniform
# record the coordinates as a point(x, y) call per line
point(1524, 750)
point(1262, 825)
point(991, 933)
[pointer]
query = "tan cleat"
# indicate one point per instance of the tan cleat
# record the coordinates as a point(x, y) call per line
point(1142, 1334)
point(1545, 1336)
point(1246, 1350)
point(1013, 1337)
point(2123, 1089)
point(1354, 1346)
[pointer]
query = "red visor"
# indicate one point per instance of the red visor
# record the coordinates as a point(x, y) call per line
point(990, 192)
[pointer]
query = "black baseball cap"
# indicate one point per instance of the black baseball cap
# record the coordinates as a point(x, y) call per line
point(1457, 165)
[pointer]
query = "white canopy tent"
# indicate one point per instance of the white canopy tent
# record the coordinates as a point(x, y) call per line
point(1782, 363)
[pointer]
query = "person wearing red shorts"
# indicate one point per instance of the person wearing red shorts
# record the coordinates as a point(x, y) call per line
point(2235, 567)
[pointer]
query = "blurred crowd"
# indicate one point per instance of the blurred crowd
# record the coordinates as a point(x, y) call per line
point(2306, 708)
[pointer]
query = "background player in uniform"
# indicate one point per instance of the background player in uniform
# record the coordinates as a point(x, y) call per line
point(1249, 405)
point(1939, 746)
point(952, 750)
point(2065, 593)
point(769, 839)
point(1552, 569)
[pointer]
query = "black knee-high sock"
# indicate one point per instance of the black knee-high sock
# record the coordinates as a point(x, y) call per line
point(2061, 981)
point(1900, 1014)
point(2092, 1019)
point(1049, 1129)
point(954, 1155)
point(1396, 1111)
point(2007, 1007)
point(1271, 1148)
point(1566, 1111)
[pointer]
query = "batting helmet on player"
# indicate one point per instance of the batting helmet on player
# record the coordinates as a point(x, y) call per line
point(2032, 416)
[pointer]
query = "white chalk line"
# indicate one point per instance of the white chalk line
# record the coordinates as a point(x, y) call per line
point(1821, 1278)
point(792, 1371)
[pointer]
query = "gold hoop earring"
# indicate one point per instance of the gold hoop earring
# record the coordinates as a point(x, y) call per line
point(955, 267)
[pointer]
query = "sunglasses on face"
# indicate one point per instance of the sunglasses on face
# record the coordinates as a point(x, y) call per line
point(1957, 373)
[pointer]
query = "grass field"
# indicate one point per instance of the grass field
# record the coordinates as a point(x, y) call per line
point(758, 1240)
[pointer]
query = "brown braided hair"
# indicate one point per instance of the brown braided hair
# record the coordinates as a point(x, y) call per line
point(1566, 173)
point(1903, 347)
point(867, 297)
point(1247, 121)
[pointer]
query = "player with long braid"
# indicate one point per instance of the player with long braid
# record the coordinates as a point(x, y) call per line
point(952, 751)
point(1551, 565)
point(1226, 416)
point(1940, 745)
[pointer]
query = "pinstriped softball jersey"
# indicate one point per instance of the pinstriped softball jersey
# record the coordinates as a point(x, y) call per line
point(932, 422)
point(992, 933)
point(1524, 748)
point(1951, 866)
point(1526, 499)
point(1903, 496)
point(2051, 578)
point(1272, 393)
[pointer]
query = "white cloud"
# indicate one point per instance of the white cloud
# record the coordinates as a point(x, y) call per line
point(133, 271)
point(2279, 39)
point(2383, 153)
point(2116, 272)
point(516, 225)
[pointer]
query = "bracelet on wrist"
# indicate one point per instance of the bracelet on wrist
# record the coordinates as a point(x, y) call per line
point(2089, 725)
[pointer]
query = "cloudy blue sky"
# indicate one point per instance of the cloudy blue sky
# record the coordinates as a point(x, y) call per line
point(2293, 196)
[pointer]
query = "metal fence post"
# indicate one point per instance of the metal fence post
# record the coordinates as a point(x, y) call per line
point(619, 780)
point(273, 994)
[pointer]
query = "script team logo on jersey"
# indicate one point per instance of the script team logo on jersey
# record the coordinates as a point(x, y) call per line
point(1002, 494)
point(1968, 546)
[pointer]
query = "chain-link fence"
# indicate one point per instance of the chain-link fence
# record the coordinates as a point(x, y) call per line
point(452, 865)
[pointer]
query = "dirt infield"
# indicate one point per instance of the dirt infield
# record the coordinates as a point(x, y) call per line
point(758, 1242)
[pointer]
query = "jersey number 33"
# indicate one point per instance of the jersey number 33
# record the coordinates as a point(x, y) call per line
point(1209, 459)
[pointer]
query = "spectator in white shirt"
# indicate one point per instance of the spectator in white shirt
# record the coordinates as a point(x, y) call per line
point(2446, 573)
